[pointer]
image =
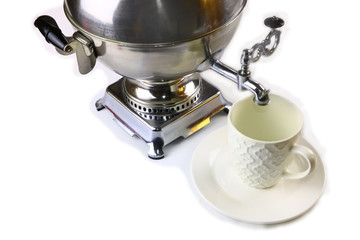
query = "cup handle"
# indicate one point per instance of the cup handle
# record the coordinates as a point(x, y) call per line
point(308, 155)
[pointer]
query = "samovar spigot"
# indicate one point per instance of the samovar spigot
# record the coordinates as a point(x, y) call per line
point(243, 76)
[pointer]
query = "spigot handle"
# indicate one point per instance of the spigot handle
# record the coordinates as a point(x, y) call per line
point(262, 49)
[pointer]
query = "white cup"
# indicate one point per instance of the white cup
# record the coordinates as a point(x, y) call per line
point(262, 139)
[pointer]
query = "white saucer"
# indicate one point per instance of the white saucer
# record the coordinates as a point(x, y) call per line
point(286, 200)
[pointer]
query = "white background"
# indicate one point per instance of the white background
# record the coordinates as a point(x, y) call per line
point(69, 172)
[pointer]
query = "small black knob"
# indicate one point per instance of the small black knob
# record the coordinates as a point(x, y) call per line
point(274, 22)
point(51, 31)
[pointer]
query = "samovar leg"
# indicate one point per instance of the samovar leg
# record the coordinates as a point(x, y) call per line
point(156, 149)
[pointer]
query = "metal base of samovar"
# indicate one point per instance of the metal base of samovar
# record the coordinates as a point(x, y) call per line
point(170, 111)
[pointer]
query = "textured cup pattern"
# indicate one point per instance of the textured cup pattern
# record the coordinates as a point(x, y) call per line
point(259, 165)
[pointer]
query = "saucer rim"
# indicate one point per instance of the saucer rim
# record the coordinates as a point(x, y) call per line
point(222, 131)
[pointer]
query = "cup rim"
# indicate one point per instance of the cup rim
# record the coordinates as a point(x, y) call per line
point(298, 132)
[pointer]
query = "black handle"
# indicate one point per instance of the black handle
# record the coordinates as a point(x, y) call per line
point(51, 31)
point(274, 22)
